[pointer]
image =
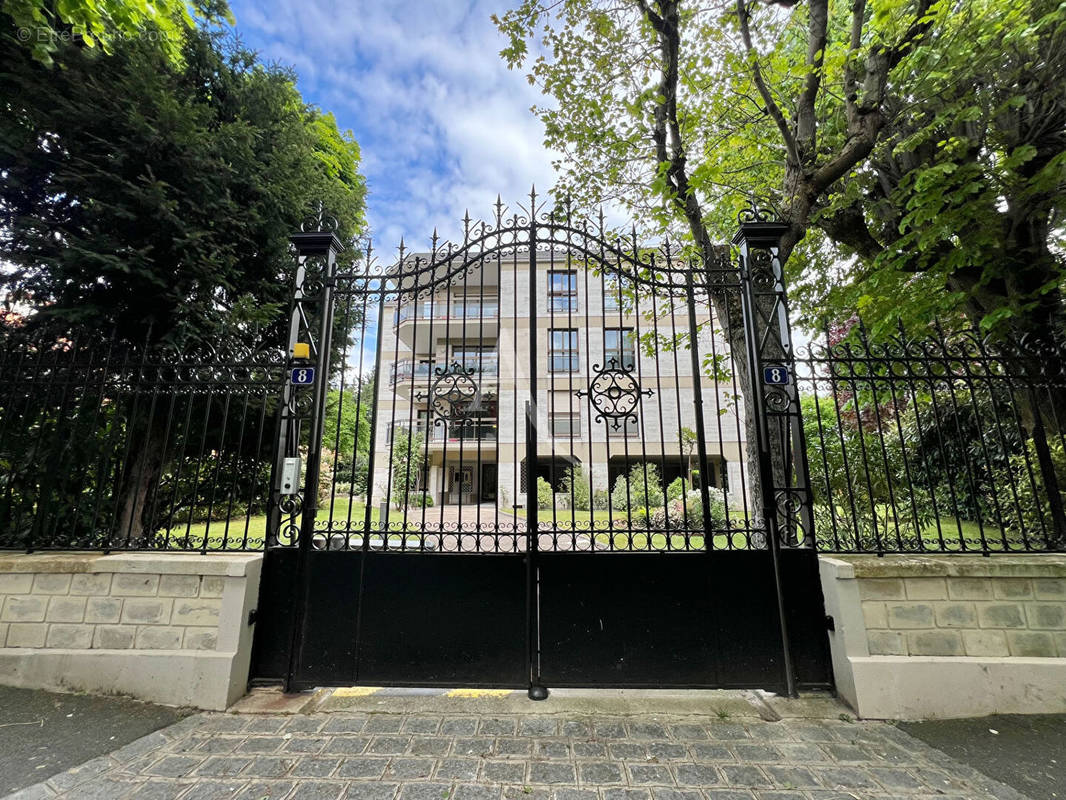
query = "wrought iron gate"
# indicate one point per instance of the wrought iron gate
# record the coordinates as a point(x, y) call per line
point(554, 458)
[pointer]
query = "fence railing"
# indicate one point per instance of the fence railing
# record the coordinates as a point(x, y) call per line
point(947, 443)
point(107, 447)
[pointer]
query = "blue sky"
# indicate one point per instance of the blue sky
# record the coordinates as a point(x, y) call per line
point(443, 125)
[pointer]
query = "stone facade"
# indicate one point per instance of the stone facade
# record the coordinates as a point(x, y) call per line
point(956, 635)
point(135, 613)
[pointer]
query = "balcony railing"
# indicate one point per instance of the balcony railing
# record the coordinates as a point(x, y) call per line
point(406, 370)
point(478, 429)
point(461, 311)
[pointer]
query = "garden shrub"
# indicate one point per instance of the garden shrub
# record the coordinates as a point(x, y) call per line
point(576, 483)
point(545, 494)
point(677, 487)
point(601, 500)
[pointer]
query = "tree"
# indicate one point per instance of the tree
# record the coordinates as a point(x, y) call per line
point(912, 146)
point(408, 463)
point(43, 26)
point(150, 202)
point(157, 199)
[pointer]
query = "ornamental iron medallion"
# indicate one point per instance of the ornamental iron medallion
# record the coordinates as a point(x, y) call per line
point(614, 393)
point(454, 394)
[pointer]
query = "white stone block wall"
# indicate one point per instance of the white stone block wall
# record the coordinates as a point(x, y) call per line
point(918, 637)
point(107, 623)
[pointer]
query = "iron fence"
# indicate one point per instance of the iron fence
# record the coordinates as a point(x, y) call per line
point(946, 443)
point(105, 446)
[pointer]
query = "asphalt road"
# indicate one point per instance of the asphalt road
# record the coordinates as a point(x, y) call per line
point(1027, 753)
point(42, 733)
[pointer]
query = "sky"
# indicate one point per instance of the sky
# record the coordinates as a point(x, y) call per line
point(443, 125)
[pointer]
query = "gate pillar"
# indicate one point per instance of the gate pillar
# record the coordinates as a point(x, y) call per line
point(774, 402)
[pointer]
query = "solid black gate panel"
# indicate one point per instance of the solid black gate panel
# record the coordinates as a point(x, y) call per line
point(623, 619)
point(805, 612)
point(274, 614)
point(444, 620)
point(326, 652)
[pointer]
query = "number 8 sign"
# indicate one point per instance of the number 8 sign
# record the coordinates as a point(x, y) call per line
point(302, 376)
point(775, 375)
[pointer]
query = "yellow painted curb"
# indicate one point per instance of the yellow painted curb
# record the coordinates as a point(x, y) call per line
point(356, 691)
point(478, 693)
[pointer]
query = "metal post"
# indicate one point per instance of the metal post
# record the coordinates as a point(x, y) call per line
point(764, 235)
point(321, 243)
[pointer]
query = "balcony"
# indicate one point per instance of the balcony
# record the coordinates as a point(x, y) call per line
point(476, 430)
point(409, 371)
point(467, 319)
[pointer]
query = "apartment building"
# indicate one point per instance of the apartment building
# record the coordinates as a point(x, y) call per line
point(456, 370)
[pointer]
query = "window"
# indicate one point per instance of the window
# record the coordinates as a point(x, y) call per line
point(619, 344)
point(626, 427)
point(562, 350)
point(562, 290)
point(565, 425)
point(613, 290)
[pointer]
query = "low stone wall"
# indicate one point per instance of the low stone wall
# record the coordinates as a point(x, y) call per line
point(924, 637)
point(167, 627)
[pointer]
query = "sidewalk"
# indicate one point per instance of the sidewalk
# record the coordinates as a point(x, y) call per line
point(368, 745)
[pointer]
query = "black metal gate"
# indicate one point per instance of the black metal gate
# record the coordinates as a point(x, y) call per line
point(544, 456)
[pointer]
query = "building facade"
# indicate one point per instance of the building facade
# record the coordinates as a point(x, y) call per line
point(457, 369)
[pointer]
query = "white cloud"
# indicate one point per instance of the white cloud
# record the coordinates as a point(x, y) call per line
point(443, 124)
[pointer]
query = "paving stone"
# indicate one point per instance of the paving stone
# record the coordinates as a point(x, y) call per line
point(362, 767)
point(628, 750)
point(38, 791)
point(727, 730)
point(649, 775)
point(895, 779)
point(775, 795)
point(458, 726)
point(757, 753)
point(388, 745)
point(174, 766)
point(264, 725)
point(265, 790)
point(527, 792)
point(261, 744)
point(601, 772)
point(425, 791)
point(802, 752)
point(308, 724)
point(163, 790)
point(218, 745)
point(606, 729)
point(314, 767)
point(65, 781)
point(537, 726)
point(551, 772)
point(845, 752)
point(696, 775)
point(104, 787)
point(142, 746)
point(745, 775)
point(371, 791)
point(589, 749)
point(222, 766)
point(345, 725)
point(509, 746)
point(347, 745)
point(730, 794)
point(668, 751)
point(317, 790)
point(212, 790)
point(503, 771)
point(473, 791)
point(306, 744)
point(429, 746)
point(409, 768)
point(574, 794)
point(647, 730)
point(474, 747)
point(626, 794)
point(269, 766)
point(711, 752)
point(659, 793)
point(497, 727)
point(689, 732)
point(575, 727)
point(460, 769)
point(789, 777)
point(845, 778)
point(383, 723)
point(550, 748)
point(421, 725)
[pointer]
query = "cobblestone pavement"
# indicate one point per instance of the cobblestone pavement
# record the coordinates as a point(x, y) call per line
point(391, 756)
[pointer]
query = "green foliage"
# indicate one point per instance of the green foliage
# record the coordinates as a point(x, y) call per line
point(43, 26)
point(1033, 514)
point(346, 430)
point(601, 500)
point(677, 487)
point(545, 494)
point(159, 197)
point(641, 487)
point(919, 156)
point(576, 483)
point(407, 462)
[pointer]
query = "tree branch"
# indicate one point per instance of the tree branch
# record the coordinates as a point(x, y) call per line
point(760, 83)
point(806, 126)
